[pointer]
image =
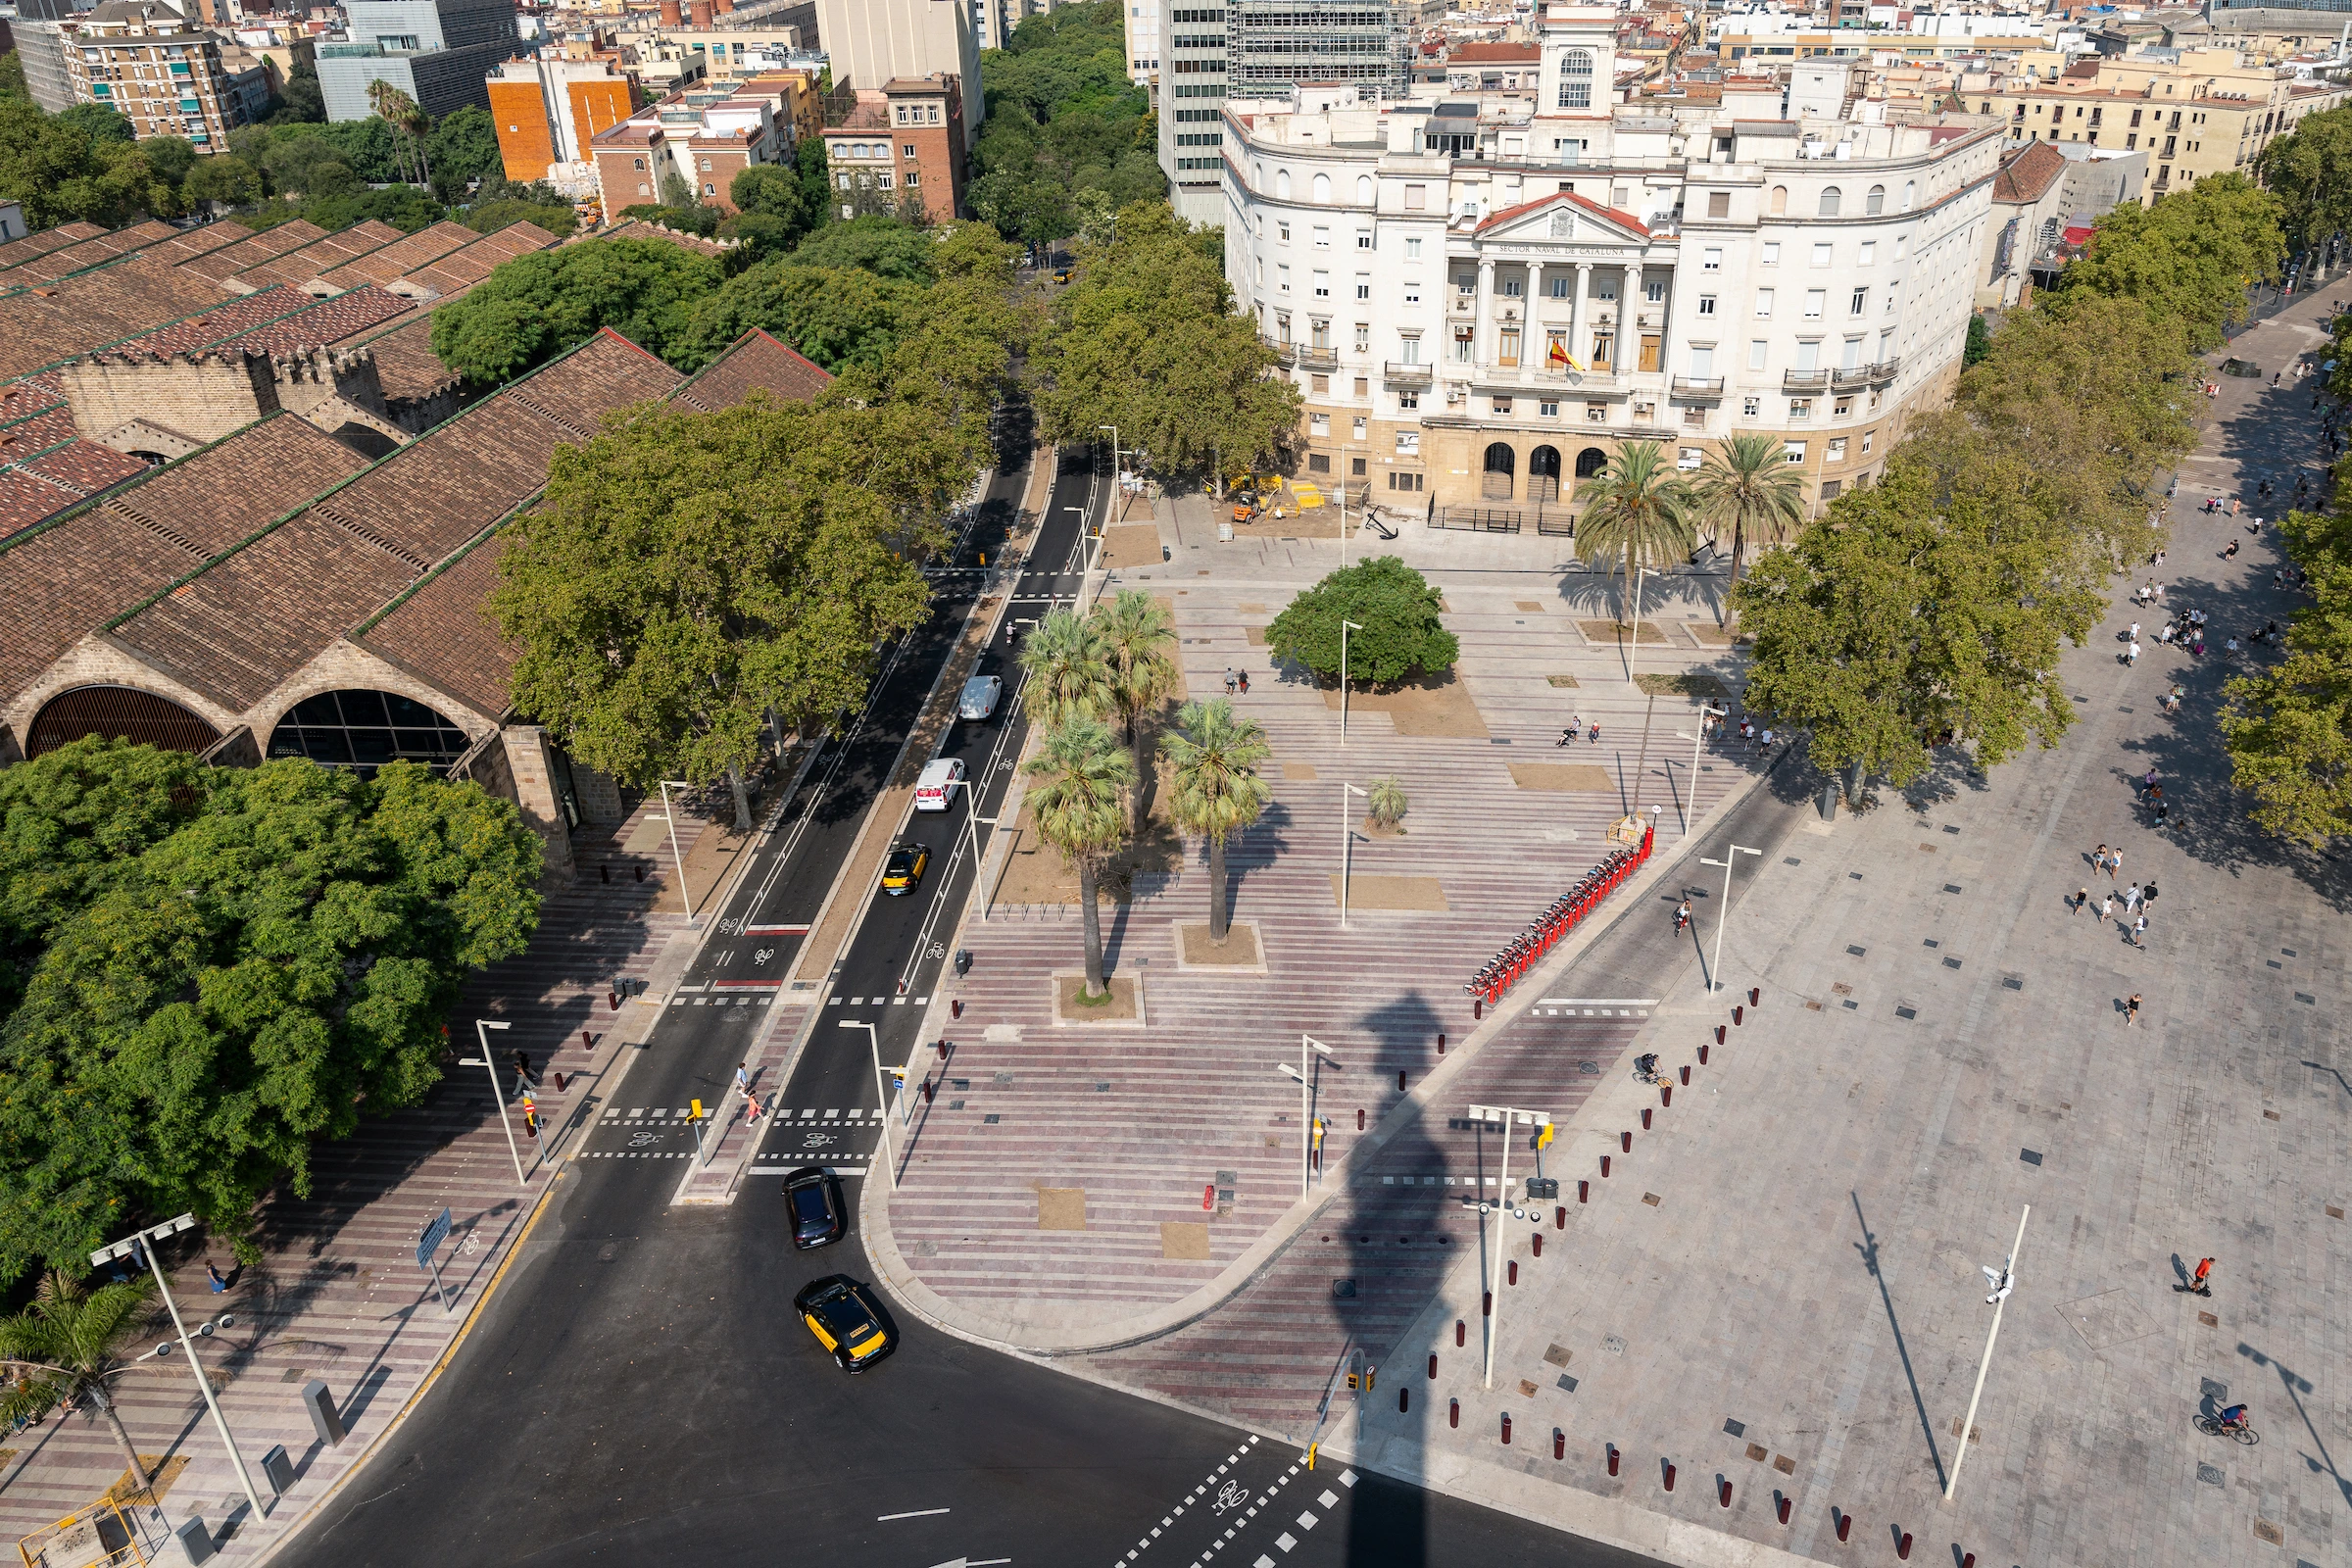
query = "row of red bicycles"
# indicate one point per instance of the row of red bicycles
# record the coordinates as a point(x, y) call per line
point(1567, 912)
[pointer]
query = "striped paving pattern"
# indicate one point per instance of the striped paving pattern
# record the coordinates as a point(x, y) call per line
point(338, 1293)
point(1187, 1121)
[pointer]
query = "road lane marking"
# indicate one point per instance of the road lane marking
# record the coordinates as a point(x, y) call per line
point(918, 1514)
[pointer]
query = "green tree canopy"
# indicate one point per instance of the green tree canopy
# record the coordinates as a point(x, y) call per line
point(1396, 606)
point(2189, 257)
point(2289, 728)
point(882, 246)
point(1638, 511)
point(2311, 173)
point(1215, 788)
point(838, 318)
point(776, 192)
point(690, 573)
point(460, 148)
point(1079, 781)
point(77, 166)
point(209, 970)
point(535, 306)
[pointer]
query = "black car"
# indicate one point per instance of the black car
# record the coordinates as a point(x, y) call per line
point(845, 1320)
point(812, 1199)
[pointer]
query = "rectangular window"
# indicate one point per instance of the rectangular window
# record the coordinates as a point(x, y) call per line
point(1757, 352)
point(1363, 342)
point(1412, 250)
point(1416, 199)
point(1763, 302)
point(1793, 451)
point(1831, 489)
point(1800, 409)
point(1866, 438)
point(1559, 286)
point(907, 149)
point(1465, 282)
point(1319, 425)
point(1548, 407)
point(1706, 304)
point(1702, 359)
point(1281, 233)
point(1821, 255)
point(1689, 457)
point(1710, 260)
point(1772, 253)
point(1751, 408)
point(1656, 291)
point(1363, 239)
point(1502, 405)
point(1363, 285)
point(1861, 300)
point(1507, 349)
point(1408, 402)
point(1359, 424)
point(1719, 204)
point(1870, 251)
point(1282, 277)
point(1902, 244)
point(1318, 463)
point(1894, 294)
point(1408, 443)
point(1321, 386)
point(1412, 293)
point(1322, 236)
point(1596, 414)
point(1838, 449)
point(1408, 347)
point(1461, 346)
point(1817, 300)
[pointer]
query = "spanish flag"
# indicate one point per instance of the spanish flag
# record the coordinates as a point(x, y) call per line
point(1557, 357)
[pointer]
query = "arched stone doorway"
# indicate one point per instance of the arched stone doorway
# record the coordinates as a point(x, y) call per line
point(366, 729)
point(1502, 468)
point(1590, 461)
point(1543, 474)
point(118, 712)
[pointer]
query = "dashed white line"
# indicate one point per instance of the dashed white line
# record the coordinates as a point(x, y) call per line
point(918, 1513)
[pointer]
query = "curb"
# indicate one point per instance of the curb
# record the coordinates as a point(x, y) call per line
point(893, 1272)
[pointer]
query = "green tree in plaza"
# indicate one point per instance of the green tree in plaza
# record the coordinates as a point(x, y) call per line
point(839, 318)
point(1747, 488)
point(2289, 728)
point(535, 306)
point(12, 75)
point(1215, 788)
point(1069, 674)
point(1394, 606)
point(689, 574)
point(1147, 338)
point(1638, 511)
point(1079, 781)
point(211, 969)
point(66, 1348)
point(2311, 173)
point(2189, 255)
point(1137, 638)
point(1917, 614)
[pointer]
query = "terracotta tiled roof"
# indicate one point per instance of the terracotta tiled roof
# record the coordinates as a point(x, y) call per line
point(189, 243)
point(468, 264)
point(755, 362)
point(442, 634)
point(1622, 219)
point(406, 366)
point(324, 322)
point(321, 255)
point(231, 317)
point(86, 467)
point(639, 228)
point(42, 326)
point(2027, 176)
point(67, 579)
point(1496, 54)
point(16, 252)
point(223, 260)
point(421, 249)
point(96, 251)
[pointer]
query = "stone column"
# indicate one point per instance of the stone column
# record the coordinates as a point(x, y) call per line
point(1482, 346)
point(1629, 316)
point(1580, 346)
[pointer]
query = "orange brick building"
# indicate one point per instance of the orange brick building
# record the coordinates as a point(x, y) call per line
point(905, 136)
point(549, 111)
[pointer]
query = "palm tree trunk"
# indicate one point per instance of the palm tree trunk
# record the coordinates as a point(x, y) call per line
point(1093, 917)
point(106, 1408)
point(1220, 924)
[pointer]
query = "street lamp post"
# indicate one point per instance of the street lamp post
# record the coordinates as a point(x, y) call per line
point(1705, 712)
point(2004, 1280)
point(971, 821)
point(1114, 466)
point(144, 1242)
point(1723, 915)
point(685, 893)
point(1346, 625)
point(1508, 1115)
point(498, 1096)
point(1306, 1114)
point(1347, 846)
point(874, 1039)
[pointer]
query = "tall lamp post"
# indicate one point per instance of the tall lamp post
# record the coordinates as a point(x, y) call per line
point(498, 1096)
point(1723, 915)
point(1346, 625)
point(143, 1242)
point(971, 821)
point(1705, 712)
point(685, 893)
point(2003, 1280)
point(1306, 1073)
point(1508, 1115)
point(1347, 846)
point(874, 1039)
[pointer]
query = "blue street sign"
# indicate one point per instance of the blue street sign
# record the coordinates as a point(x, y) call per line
point(430, 1243)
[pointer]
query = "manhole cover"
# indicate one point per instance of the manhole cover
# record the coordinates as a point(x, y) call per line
point(2211, 1475)
point(1342, 1290)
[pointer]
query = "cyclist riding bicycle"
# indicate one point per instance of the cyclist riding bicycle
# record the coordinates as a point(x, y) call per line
point(2233, 1417)
point(1645, 1066)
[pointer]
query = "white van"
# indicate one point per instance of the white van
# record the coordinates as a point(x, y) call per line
point(937, 784)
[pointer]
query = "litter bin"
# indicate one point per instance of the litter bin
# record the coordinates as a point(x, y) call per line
point(195, 1540)
point(1829, 802)
point(279, 1469)
point(963, 962)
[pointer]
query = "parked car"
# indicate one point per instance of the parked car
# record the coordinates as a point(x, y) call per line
point(812, 1201)
point(981, 693)
point(845, 1320)
point(936, 785)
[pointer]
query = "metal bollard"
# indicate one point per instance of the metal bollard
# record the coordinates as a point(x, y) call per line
point(1536, 1242)
point(1785, 1501)
point(1488, 1308)
point(1612, 1448)
point(1511, 1270)
point(1686, 1075)
point(1665, 1094)
point(1604, 1167)
point(1401, 1079)
point(1478, 1009)
point(1404, 1401)
point(1560, 1216)
point(1719, 1033)
point(1846, 1526)
point(1433, 1364)
point(1669, 1477)
point(1703, 1049)
point(613, 1000)
point(1584, 1194)
point(1560, 1443)
point(1453, 1412)
point(955, 1008)
point(1359, 1118)
point(1506, 1429)
point(1460, 1330)
point(1736, 1014)
point(1755, 994)
point(1724, 1492)
point(1440, 1042)
point(1645, 1118)
point(1903, 1547)
point(1625, 1143)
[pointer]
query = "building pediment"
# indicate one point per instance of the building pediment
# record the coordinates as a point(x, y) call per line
point(1563, 223)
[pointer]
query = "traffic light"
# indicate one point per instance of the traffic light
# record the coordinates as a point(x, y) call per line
point(1543, 1135)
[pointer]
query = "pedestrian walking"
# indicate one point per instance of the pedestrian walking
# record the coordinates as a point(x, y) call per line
point(2081, 899)
point(2099, 859)
point(2131, 1010)
point(1245, 680)
point(742, 1076)
point(2201, 1281)
point(1594, 736)
point(2132, 653)
point(2106, 909)
point(521, 1063)
point(753, 1100)
point(212, 1272)
point(1229, 680)
point(2140, 928)
point(2231, 554)
point(2133, 634)
point(530, 1117)
point(2147, 895)
point(2115, 863)
point(2131, 898)
point(2148, 782)
point(1682, 917)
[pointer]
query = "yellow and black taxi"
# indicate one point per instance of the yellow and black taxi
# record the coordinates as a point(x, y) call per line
point(845, 1320)
point(1062, 274)
point(904, 871)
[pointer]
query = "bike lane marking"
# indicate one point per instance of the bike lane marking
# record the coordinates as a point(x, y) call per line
point(1221, 1507)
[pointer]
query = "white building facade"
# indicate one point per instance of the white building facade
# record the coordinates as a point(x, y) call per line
point(1483, 298)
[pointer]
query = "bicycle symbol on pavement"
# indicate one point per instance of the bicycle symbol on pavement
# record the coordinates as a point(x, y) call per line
point(1232, 1494)
point(763, 954)
point(640, 1139)
point(816, 1139)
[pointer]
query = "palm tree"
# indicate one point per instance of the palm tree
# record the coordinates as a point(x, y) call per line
point(1069, 677)
point(1136, 633)
point(1213, 786)
point(410, 124)
point(1748, 488)
point(1080, 776)
point(1387, 805)
point(60, 1351)
point(1638, 511)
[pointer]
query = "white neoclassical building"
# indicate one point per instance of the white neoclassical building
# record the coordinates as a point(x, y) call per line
point(1482, 296)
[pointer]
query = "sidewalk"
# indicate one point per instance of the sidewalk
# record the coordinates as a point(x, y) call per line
point(338, 1293)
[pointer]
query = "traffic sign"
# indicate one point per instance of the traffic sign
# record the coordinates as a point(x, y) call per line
point(430, 1242)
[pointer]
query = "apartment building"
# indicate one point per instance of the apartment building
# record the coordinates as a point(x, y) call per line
point(1192, 108)
point(2195, 112)
point(1483, 298)
point(906, 136)
point(1142, 41)
point(144, 60)
point(872, 42)
point(439, 52)
point(701, 139)
point(548, 111)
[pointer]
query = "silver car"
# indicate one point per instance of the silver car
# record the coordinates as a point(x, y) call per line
point(979, 699)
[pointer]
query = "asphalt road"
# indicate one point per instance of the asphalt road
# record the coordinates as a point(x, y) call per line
point(639, 1390)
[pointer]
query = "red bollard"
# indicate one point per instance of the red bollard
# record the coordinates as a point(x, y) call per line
point(1665, 1094)
point(1846, 1526)
point(1645, 1118)
point(588, 1040)
point(1404, 1401)
point(1560, 1443)
point(1208, 1195)
point(1903, 1547)
point(1487, 1308)
point(1536, 1242)
point(1604, 1166)
point(1686, 1075)
point(1755, 994)
point(1968, 1559)
point(1453, 1412)
point(1612, 1448)
point(1478, 1009)
point(1785, 1505)
point(1584, 1194)
point(1703, 1049)
point(955, 1008)
point(1511, 1270)
point(1506, 1429)
point(1359, 1118)
point(1433, 1364)
point(1736, 1013)
point(613, 1000)
point(558, 1083)
point(1559, 1215)
point(1626, 1142)
point(1669, 1478)
point(1724, 1494)
point(1401, 1079)
point(1441, 1045)
point(1460, 1329)
point(1719, 1033)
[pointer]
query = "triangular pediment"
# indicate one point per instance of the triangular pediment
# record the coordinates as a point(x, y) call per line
point(1563, 218)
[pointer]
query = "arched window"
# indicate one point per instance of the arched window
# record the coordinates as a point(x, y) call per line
point(118, 712)
point(1576, 79)
point(1260, 179)
point(1876, 202)
point(1323, 188)
point(1829, 201)
point(1544, 475)
point(1590, 461)
point(1910, 190)
point(1282, 182)
point(1502, 462)
point(1780, 201)
point(366, 729)
point(1363, 190)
